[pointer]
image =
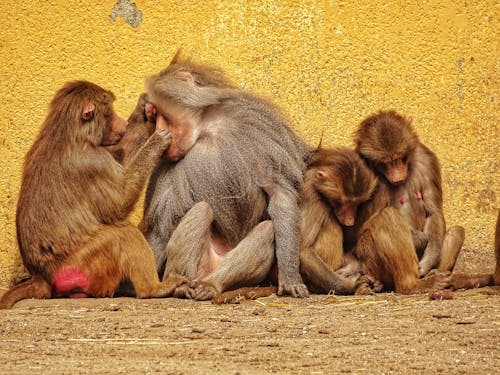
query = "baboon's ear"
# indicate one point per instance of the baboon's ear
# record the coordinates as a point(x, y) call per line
point(322, 174)
point(186, 76)
point(88, 112)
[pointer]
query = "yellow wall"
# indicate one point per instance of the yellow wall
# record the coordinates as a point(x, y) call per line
point(328, 63)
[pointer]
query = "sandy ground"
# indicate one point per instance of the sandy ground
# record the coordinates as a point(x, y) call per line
point(382, 334)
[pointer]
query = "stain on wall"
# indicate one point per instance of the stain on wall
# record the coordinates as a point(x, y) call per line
point(327, 63)
point(128, 11)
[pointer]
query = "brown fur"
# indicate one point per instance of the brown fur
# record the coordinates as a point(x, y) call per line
point(336, 181)
point(410, 172)
point(466, 281)
point(75, 199)
point(221, 136)
point(496, 276)
point(242, 294)
point(379, 238)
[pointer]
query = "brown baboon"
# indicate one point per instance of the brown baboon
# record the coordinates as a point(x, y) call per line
point(221, 136)
point(71, 219)
point(335, 184)
point(411, 173)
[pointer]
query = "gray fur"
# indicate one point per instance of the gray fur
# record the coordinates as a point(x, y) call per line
point(247, 136)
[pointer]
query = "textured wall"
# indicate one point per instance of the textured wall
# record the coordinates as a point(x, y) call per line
point(328, 63)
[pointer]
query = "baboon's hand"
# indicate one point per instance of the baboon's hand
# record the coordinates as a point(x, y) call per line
point(297, 289)
point(162, 137)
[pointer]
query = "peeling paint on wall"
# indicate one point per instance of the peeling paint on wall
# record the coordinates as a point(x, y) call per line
point(128, 11)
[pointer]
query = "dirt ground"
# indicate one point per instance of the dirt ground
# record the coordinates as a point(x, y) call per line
point(382, 334)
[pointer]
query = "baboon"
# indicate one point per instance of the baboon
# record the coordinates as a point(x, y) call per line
point(74, 200)
point(221, 137)
point(335, 184)
point(411, 173)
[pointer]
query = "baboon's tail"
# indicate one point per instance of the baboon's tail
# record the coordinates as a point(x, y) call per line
point(36, 287)
point(245, 293)
point(496, 276)
point(465, 281)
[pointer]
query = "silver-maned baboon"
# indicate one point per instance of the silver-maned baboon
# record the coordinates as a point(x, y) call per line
point(224, 142)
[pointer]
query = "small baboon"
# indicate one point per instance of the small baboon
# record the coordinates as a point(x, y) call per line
point(335, 184)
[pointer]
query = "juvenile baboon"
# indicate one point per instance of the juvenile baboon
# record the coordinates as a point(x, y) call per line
point(71, 218)
point(335, 184)
point(221, 136)
point(411, 173)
